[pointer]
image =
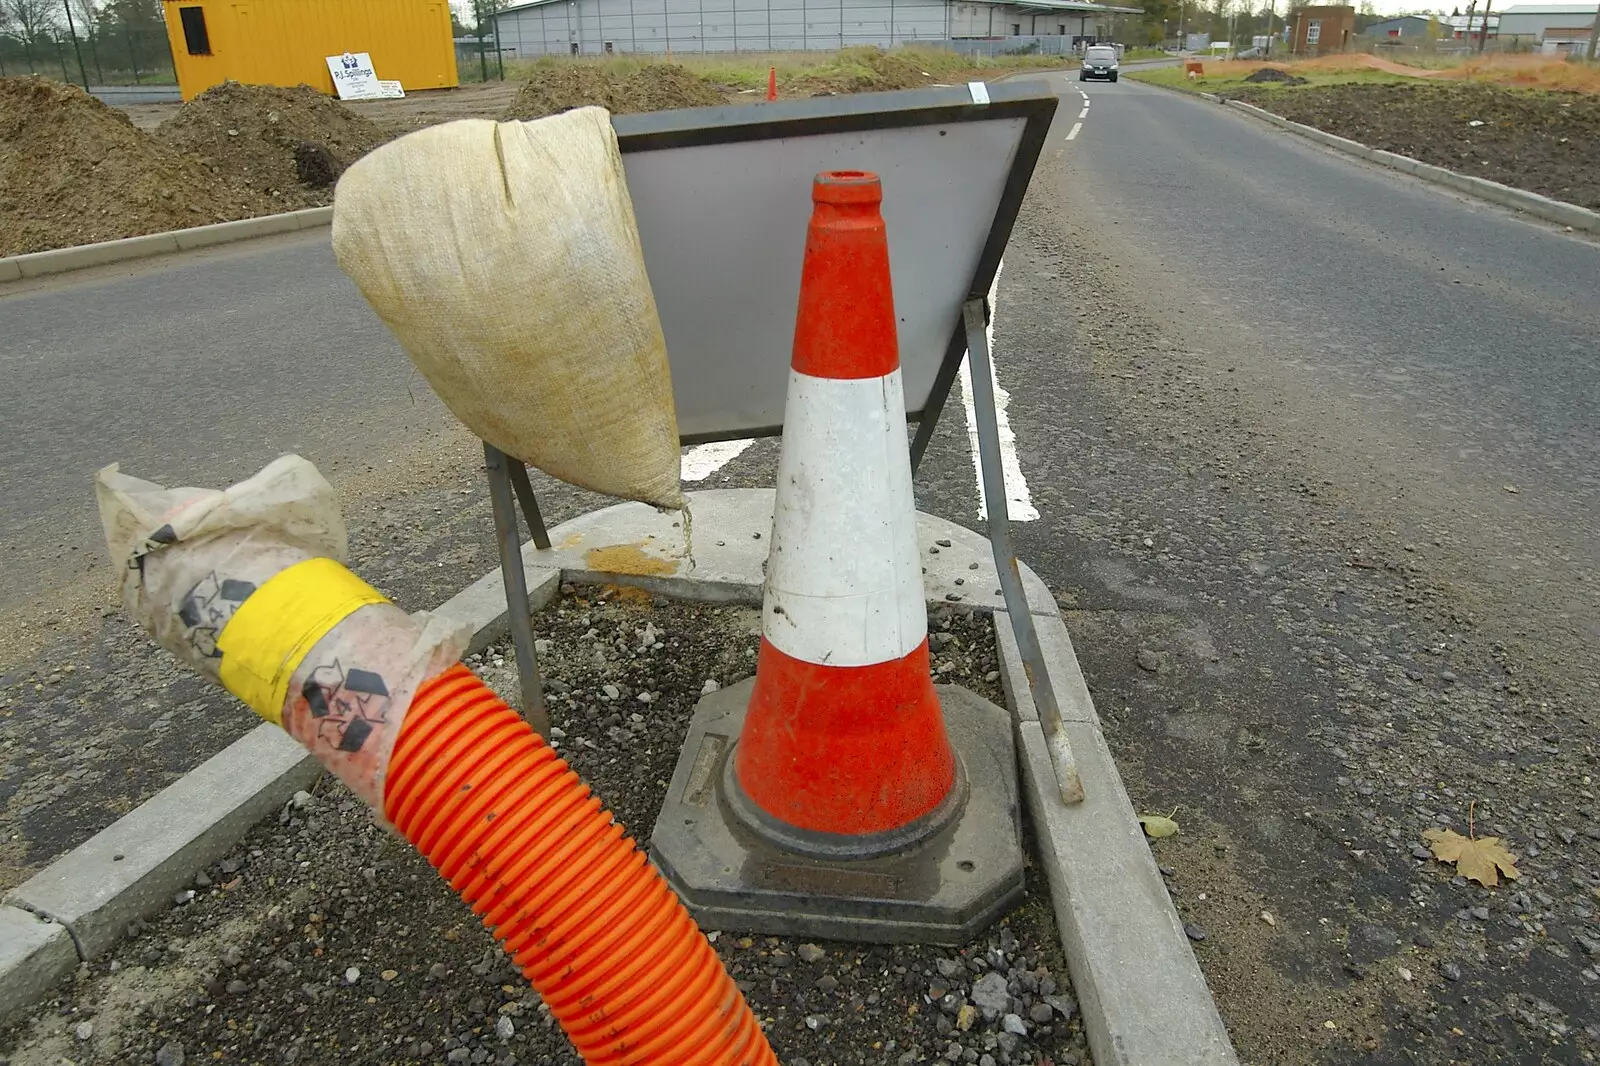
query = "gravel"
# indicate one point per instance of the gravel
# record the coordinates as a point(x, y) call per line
point(324, 938)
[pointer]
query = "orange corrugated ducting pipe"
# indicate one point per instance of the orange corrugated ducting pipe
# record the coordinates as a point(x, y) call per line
point(245, 585)
point(593, 926)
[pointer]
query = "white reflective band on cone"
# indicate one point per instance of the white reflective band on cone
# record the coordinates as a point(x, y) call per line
point(844, 577)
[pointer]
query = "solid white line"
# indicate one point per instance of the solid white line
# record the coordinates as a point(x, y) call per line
point(1084, 113)
point(1019, 504)
point(703, 460)
point(1073, 132)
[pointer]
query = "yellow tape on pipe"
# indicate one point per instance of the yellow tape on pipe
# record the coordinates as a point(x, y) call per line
point(279, 623)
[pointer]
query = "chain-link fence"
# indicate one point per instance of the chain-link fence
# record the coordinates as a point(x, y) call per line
point(108, 53)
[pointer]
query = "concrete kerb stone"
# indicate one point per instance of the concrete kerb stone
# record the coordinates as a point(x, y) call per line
point(1143, 996)
point(228, 232)
point(1144, 999)
point(1517, 199)
point(62, 260)
point(1066, 678)
point(482, 604)
point(136, 865)
point(34, 953)
point(65, 260)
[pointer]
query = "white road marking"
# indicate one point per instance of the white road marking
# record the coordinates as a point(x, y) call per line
point(1073, 132)
point(1019, 505)
point(703, 460)
point(1084, 113)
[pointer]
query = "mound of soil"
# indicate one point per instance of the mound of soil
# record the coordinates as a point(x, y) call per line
point(1543, 142)
point(866, 69)
point(288, 144)
point(74, 171)
point(657, 87)
point(1275, 75)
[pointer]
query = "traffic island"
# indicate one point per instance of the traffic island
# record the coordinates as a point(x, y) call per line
point(254, 958)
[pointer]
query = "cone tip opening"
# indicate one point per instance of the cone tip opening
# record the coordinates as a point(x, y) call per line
point(847, 187)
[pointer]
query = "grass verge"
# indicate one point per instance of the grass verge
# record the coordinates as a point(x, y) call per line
point(848, 70)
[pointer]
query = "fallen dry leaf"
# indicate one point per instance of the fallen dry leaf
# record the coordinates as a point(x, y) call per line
point(1157, 826)
point(1479, 859)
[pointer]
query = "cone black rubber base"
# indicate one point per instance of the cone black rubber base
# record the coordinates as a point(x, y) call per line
point(943, 890)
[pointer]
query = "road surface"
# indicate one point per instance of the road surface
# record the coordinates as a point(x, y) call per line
point(1311, 450)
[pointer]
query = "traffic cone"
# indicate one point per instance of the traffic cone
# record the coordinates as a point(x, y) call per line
point(844, 745)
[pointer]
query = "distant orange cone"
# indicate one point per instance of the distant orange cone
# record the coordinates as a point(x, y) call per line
point(772, 83)
point(844, 736)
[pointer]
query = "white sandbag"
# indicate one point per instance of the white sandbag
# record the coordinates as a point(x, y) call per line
point(505, 257)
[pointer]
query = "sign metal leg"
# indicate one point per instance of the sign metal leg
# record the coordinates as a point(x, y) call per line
point(501, 499)
point(1005, 557)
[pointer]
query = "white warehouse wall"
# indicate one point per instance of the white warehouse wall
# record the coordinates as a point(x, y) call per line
point(719, 25)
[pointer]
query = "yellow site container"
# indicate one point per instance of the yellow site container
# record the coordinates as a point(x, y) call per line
point(287, 42)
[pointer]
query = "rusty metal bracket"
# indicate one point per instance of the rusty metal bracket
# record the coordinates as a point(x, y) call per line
point(975, 315)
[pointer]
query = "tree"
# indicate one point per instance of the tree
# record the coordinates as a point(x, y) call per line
point(135, 36)
point(33, 21)
point(86, 16)
point(1160, 19)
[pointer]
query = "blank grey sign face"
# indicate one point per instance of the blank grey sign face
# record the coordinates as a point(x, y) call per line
point(724, 233)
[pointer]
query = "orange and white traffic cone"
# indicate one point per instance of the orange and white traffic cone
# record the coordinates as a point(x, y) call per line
point(839, 793)
point(843, 739)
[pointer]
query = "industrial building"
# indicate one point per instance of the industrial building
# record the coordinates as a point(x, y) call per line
point(1538, 22)
point(288, 42)
point(597, 27)
point(1414, 26)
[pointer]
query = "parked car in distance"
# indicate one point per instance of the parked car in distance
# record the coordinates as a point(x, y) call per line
point(1099, 61)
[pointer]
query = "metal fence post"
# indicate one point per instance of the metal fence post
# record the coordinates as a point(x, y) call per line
point(72, 28)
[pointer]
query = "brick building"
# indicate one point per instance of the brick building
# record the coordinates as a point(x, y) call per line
point(1316, 31)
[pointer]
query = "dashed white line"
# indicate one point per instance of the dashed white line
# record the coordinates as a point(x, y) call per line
point(1019, 504)
point(1084, 113)
point(703, 460)
point(1073, 132)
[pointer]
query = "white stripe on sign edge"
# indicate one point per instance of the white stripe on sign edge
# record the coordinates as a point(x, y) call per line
point(1019, 504)
point(844, 573)
point(703, 460)
point(1073, 132)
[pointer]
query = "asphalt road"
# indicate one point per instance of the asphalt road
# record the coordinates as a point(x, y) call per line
point(1271, 406)
point(1312, 449)
point(1441, 346)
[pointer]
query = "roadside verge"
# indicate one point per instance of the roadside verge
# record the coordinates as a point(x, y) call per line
point(1531, 203)
point(1143, 996)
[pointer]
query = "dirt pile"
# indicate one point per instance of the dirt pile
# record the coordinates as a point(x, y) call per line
point(289, 145)
point(564, 86)
point(867, 70)
point(1544, 142)
point(74, 171)
point(1275, 75)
